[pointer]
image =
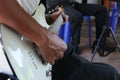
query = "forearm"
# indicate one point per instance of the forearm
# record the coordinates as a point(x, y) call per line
point(50, 45)
point(15, 17)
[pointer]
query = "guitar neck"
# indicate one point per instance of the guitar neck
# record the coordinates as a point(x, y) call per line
point(55, 27)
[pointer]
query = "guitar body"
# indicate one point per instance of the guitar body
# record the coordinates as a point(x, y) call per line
point(22, 54)
point(24, 60)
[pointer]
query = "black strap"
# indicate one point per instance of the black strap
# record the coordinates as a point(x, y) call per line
point(84, 1)
point(43, 2)
point(4, 76)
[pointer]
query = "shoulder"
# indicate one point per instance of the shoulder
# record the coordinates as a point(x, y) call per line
point(29, 5)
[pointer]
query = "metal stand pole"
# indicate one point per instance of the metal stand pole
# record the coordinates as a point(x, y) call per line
point(105, 29)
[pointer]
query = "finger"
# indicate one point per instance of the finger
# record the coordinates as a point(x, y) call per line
point(52, 62)
point(59, 55)
point(59, 12)
point(60, 9)
point(65, 17)
point(50, 58)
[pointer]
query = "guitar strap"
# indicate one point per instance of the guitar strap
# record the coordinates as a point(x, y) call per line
point(43, 2)
point(4, 76)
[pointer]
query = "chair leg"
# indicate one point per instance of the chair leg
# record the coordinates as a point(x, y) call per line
point(89, 29)
point(114, 25)
point(61, 32)
point(67, 32)
point(114, 17)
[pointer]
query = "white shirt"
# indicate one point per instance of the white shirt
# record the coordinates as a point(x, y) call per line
point(29, 5)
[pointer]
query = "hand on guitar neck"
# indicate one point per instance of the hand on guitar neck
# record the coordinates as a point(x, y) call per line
point(65, 17)
point(55, 14)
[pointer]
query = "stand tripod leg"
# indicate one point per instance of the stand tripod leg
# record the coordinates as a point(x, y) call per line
point(97, 45)
point(108, 28)
point(99, 42)
point(116, 42)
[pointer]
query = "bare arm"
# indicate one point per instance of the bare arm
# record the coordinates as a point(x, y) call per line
point(13, 15)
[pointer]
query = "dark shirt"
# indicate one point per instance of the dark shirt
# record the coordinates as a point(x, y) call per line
point(51, 3)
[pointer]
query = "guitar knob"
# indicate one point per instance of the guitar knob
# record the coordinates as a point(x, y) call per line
point(8, 79)
point(48, 73)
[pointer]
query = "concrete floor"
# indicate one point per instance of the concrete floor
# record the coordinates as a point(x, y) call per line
point(85, 51)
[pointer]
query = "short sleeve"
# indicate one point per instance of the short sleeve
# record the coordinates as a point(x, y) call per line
point(29, 5)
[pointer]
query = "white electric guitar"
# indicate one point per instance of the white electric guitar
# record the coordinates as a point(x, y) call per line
point(23, 55)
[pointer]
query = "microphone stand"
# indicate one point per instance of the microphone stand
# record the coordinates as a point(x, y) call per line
point(106, 28)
